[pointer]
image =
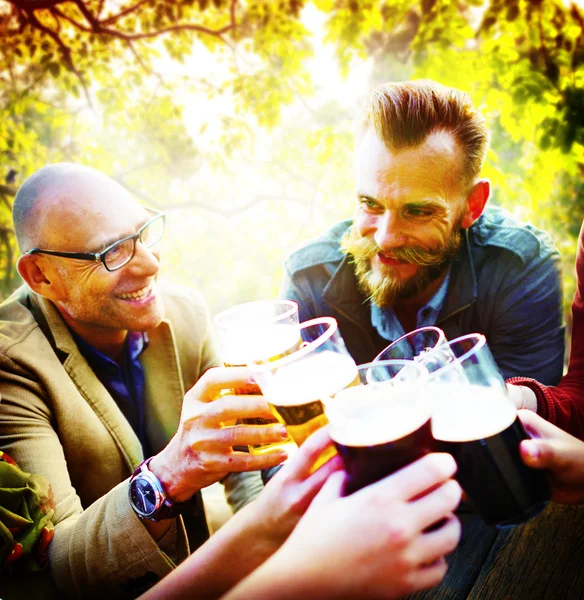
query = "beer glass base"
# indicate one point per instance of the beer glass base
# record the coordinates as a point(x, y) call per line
point(528, 514)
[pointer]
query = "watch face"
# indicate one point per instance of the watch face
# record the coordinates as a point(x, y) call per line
point(143, 496)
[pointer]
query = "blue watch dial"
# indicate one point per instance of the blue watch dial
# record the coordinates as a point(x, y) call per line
point(143, 496)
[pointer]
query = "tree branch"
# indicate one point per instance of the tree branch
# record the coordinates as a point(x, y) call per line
point(123, 13)
point(65, 50)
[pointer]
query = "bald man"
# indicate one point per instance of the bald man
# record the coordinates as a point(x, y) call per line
point(97, 366)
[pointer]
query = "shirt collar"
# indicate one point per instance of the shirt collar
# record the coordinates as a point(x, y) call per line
point(136, 342)
point(388, 325)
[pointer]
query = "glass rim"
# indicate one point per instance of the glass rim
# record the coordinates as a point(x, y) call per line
point(293, 308)
point(391, 361)
point(481, 342)
point(343, 397)
point(304, 350)
point(410, 334)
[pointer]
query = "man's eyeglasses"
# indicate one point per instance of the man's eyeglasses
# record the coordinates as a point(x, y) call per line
point(119, 253)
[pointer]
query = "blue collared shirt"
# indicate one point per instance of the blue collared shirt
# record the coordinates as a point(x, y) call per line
point(388, 325)
point(124, 382)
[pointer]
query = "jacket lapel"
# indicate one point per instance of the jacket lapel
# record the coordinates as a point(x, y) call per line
point(163, 395)
point(86, 381)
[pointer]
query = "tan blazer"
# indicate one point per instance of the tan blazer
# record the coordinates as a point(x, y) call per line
point(57, 419)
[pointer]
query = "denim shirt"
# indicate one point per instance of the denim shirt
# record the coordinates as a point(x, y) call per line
point(389, 326)
point(506, 283)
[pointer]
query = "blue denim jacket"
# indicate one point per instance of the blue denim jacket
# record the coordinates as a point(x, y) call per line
point(505, 283)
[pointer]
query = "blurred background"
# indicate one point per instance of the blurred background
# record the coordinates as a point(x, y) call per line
point(237, 117)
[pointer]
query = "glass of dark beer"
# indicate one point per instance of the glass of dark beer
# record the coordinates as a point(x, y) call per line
point(419, 345)
point(474, 420)
point(261, 331)
point(296, 384)
point(382, 424)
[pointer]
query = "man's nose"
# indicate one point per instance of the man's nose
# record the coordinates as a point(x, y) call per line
point(390, 231)
point(146, 261)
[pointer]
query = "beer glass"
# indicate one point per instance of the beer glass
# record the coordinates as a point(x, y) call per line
point(263, 331)
point(296, 384)
point(382, 424)
point(420, 344)
point(474, 420)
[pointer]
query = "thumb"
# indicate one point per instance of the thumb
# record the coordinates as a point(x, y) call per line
point(545, 454)
point(330, 491)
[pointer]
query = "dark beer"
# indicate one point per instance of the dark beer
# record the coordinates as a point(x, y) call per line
point(485, 444)
point(383, 429)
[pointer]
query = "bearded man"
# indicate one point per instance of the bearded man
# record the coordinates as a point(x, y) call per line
point(424, 248)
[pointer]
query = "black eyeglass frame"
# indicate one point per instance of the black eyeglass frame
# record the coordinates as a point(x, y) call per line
point(100, 256)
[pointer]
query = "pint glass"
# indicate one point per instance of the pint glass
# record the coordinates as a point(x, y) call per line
point(473, 419)
point(263, 331)
point(382, 424)
point(296, 384)
point(418, 345)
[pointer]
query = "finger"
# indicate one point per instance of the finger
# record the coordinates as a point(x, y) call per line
point(538, 427)
point(234, 407)
point(427, 576)
point(303, 460)
point(247, 435)
point(434, 545)
point(331, 490)
point(436, 505)
point(554, 455)
point(222, 378)
point(242, 461)
point(417, 478)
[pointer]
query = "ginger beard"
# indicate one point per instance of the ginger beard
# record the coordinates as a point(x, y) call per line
point(382, 286)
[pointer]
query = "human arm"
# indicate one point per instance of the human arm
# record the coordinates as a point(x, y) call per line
point(559, 453)
point(564, 405)
point(255, 533)
point(372, 544)
point(100, 545)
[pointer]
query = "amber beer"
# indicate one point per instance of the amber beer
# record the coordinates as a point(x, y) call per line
point(483, 436)
point(267, 345)
point(383, 429)
point(296, 392)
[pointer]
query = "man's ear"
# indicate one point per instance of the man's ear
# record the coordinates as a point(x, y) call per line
point(475, 202)
point(38, 273)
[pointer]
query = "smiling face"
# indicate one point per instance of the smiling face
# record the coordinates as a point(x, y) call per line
point(87, 215)
point(411, 208)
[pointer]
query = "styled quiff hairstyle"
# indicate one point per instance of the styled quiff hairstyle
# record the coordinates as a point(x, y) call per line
point(404, 114)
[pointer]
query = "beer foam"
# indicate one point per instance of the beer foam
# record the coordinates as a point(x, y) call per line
point(248, 343)
point(370, 415)
point(316, 376)
point(462, 413)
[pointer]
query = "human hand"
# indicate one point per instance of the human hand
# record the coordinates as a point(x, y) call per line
point(522, 396)
point(289, 493)
point(371, 544)
point(201, 452)
point(560, 453)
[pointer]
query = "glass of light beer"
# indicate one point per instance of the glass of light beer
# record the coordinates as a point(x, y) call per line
point(296, 384)
point(383, 423)
point(261, 331)
point(474, 420)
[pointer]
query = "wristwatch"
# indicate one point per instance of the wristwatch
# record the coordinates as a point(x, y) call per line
point(148, 497)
